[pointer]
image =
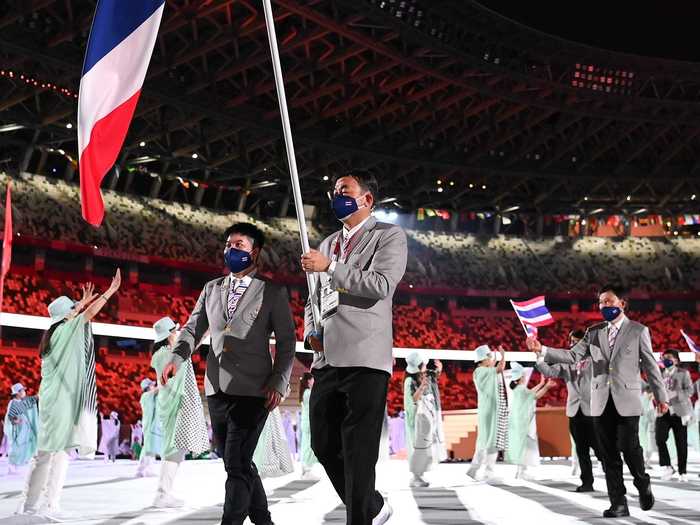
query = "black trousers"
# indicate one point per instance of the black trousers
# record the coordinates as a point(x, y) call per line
point(346, 409)
point(664, 424)
point(617, 434)
point(237, 422)
point(583, 432)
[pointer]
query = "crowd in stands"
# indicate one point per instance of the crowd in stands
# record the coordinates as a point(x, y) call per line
point(154, 227)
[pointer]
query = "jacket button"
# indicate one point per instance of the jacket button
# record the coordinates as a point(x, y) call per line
point(608, 383)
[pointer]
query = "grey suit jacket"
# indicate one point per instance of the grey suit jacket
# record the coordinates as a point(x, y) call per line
point(578, 385)
point(239, 360)
point(361, 333)
point(616, 371)
point(682, 386)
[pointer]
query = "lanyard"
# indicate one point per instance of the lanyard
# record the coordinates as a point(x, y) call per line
point(351, 244)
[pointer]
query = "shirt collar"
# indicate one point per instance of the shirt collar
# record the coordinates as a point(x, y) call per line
point(247, 279)
point(618, 323)
point(349, 233)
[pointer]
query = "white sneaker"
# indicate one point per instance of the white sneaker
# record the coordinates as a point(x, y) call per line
point(310, 475)
point(384, 514)
point(473, 473)
point(683, 478)
point(418, 482)
point(666, 473)
point(166, 501)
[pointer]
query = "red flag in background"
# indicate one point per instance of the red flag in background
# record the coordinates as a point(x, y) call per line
point(6, 243)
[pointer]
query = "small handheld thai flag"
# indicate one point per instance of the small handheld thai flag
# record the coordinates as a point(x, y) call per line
point(691, 344)
point(118, 52)
point(533, 312)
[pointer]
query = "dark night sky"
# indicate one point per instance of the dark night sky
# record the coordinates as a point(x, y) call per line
point(669, 29)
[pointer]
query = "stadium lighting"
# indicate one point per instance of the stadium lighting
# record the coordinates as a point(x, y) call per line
point(585, 198)
point(440, 189)
point(692, 197)
point(452, 183)
point(629, 197)
point(325, 177)
point(640, 210)
point(483, 186)
point(471, 185)
point(388, 200)
point(10, 127)
point(583, 222)
point(69, 125)
point(512, 208)
point(439, 182)
point(597, 210)
point(195, 156)
point(142, 143)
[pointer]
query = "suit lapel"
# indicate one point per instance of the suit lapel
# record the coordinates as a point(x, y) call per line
point(224, 295)
point(604, 344)
point(256, 287)
point(365, 237)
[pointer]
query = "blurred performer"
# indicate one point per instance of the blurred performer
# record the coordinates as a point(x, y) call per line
point(492, 408)
point(679, 388)
point(578, 409)
point(67, 396)
point(523, 448)
point(152, 429)
point(179, 411)
point(358, 270)
point(620, 349)
point(109, 442)
point(423, 417)
point(242, 382)
point(20, 428)
point(307, 456)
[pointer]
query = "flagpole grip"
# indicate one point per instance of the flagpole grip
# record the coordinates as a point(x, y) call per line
point(291, 157)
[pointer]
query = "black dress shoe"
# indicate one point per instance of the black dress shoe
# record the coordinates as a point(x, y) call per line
point(646, 499)
point(617, 511)
point(585, 488)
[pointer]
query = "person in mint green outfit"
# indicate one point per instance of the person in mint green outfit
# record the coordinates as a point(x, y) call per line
point(67, 397)
point(424, 436)
point(152, 429)
point(180, 412)
point(307, 456)
point(21, 421)
point(492, 408)
point(523, 449)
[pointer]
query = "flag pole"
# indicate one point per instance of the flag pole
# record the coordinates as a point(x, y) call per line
point(291, 157)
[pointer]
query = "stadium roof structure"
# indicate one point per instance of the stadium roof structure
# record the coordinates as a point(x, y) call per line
point(452, 106)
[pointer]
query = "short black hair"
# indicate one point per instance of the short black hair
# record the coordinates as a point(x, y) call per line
point(578, 334)
point(249, 230)
point(366, 180)
point(617, 289)
point(673, 352)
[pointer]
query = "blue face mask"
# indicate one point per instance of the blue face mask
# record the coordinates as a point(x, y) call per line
point(237, 260)
point(344, 206)
point(610, 313)
point(668, 363)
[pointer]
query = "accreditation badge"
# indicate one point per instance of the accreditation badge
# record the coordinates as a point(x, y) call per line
point(330, 299)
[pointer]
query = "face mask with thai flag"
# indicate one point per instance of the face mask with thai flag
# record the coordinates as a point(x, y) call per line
point(116, 60)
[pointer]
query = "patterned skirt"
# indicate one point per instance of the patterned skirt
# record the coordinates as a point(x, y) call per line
point(502, 428)
point(191, 432)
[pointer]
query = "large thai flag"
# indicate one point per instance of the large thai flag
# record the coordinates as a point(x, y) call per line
point(691, 344)
point(533, 312)
point(118, 52)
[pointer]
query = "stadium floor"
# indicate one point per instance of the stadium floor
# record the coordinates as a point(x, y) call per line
point(108, 494)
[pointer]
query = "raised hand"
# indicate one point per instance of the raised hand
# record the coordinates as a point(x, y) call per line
point(533, 344)
point(116, 281)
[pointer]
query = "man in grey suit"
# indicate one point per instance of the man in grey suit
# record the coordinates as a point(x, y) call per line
point(578, 408)
point(359, 269)
point(242, 381)
point(617, 348)
point(679, 387)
